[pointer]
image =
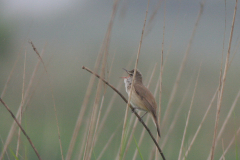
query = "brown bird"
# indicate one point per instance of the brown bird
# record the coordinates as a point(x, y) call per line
point(142, 98)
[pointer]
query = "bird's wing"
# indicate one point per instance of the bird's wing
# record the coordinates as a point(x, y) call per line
point(146, 96)
point(149, 101)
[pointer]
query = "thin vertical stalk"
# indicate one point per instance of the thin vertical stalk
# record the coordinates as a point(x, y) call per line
point(175, 87)
point(188, 117)
point(13, 126)
point(200, 125)
point(160, 79)
point(174, 121)
point(22, 102)
point(53, 98)
point(229, 145)
point(223, 84)
point(130, 95)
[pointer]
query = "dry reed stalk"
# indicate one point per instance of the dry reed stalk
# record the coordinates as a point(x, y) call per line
point(170, 129)
point(133, 127)
point(104, 47)
point(28, 100)
point(151, 157)
point(130, 94)
point(3, 144)
point(231, 142)
point(223, 84)
point(200, 125)
point(100, 109)
point(91, 127)
point(223, 39)
point(13, 126)
point(88, 147)
point(226, 120)
point(91, 134)
point(189, 112)
point(10, 76)
point(141, 138)
point(136, 120)
point(108, 142)
point(125, 100)
point(228, 116)
point(25, 134)
point(175, 87)
point(53, 99)
point(223, 145)
point(160, 79)
point(97, 123)
point(235, 52)
point(84, 138)
point(22, 102)
point(83, 109)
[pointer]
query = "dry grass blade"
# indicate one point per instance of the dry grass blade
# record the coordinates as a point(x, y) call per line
point(176, 115)
point(141, 138)
point(106, 146)
point(3, 144)
point(88, 148)
point(22, 102)
point(228, 116)
point(130, 94)
point(13, 126)
point(175, 87)
point(84, 138)
point(90, 140)
point(200, 125)
point(223, 84)
point(51, 89)
point(100, 110)
point(35, 150)
point(125, 100)
point(189, 112)
point(82, 110)
point(97, 124)
point(160, 79)
point(226, 119)
point(231, 142)
point(10, 76)
point(235, 52)
point(223, 150)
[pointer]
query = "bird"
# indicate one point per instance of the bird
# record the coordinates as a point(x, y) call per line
point(141, 98)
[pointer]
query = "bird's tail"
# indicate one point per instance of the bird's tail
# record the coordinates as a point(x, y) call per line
point(156, 123)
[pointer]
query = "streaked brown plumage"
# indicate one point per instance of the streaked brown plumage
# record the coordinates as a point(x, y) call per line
point(141, 98)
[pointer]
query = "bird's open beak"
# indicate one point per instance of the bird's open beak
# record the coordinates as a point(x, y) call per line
point(127, 73)
point(125, 70)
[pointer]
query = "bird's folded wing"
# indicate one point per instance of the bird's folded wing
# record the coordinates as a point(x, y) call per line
point(146, 96)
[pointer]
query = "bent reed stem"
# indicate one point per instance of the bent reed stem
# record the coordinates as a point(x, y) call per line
point(125, 100)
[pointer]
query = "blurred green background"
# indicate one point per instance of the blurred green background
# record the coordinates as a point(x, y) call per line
point(71, 34)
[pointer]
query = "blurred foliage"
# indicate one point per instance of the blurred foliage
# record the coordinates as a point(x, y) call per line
point(6, 38)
